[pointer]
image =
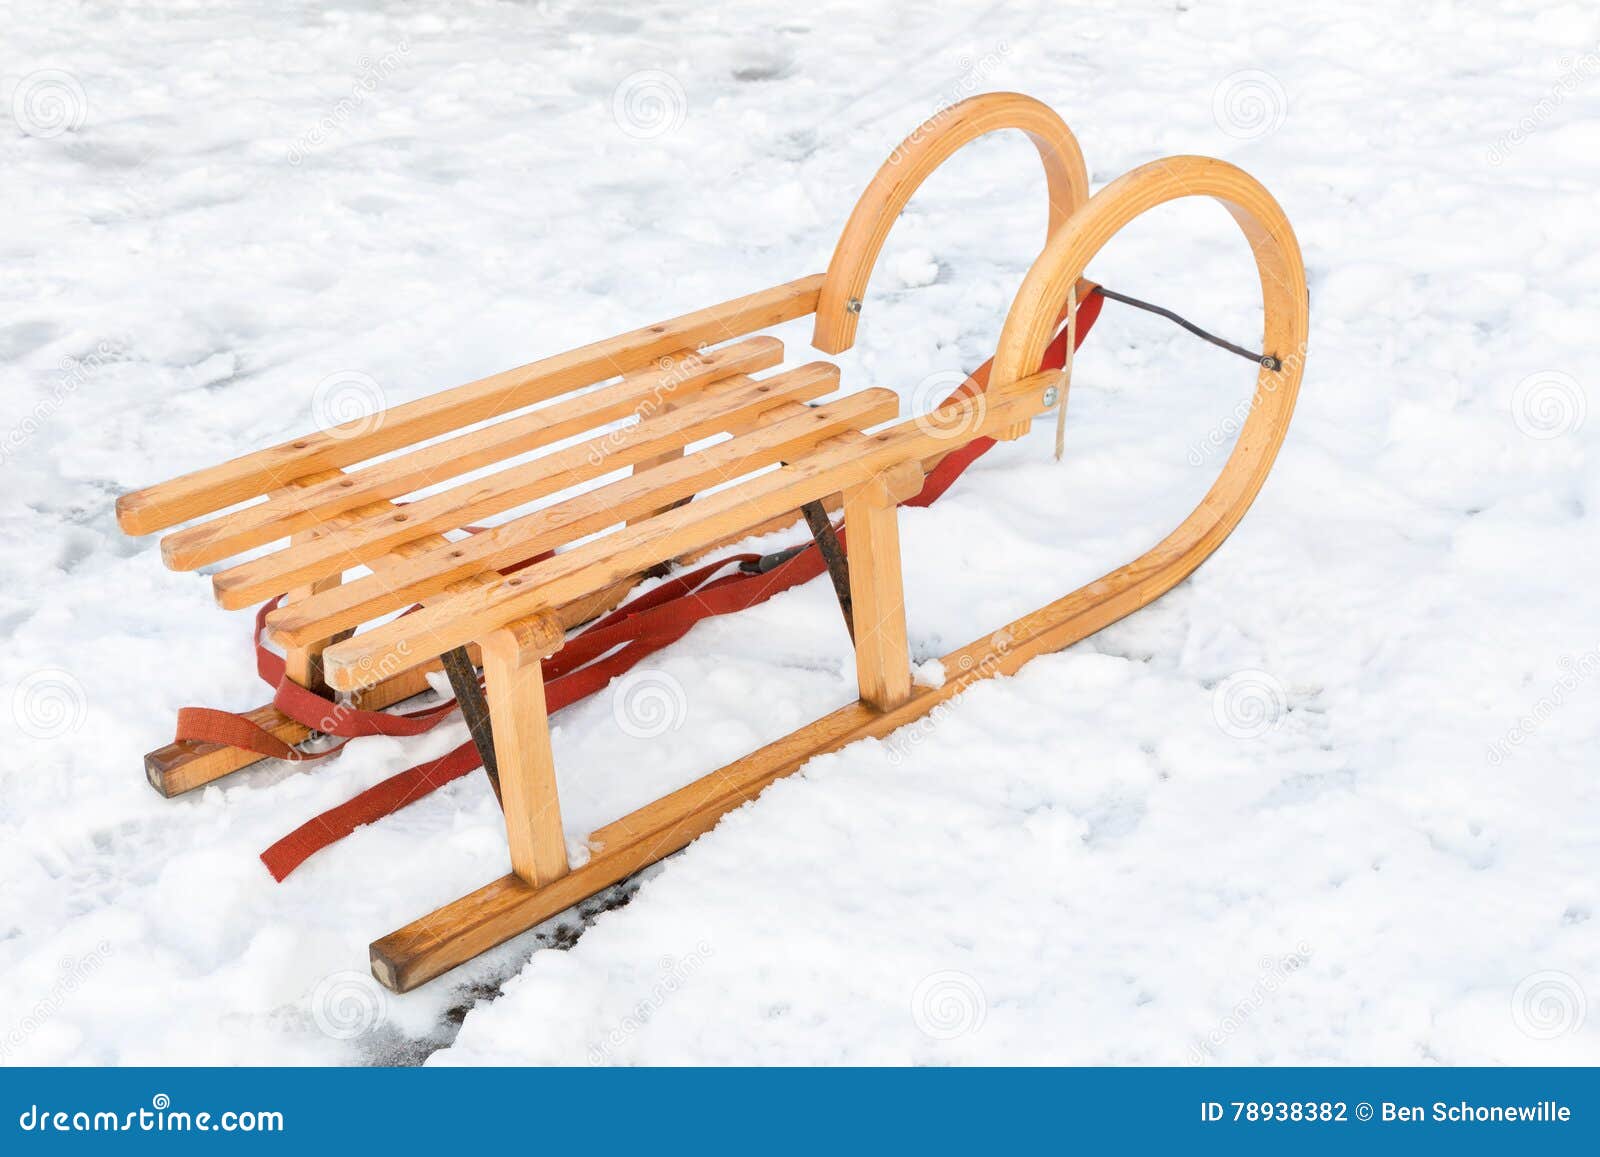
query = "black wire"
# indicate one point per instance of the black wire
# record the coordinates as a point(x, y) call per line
point(1266, 360)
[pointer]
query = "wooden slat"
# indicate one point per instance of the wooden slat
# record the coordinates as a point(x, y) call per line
point(303, 663)
point(217, 487)
point(419, 636)
point(680, 375)
point(370, 596)
point(260, 578)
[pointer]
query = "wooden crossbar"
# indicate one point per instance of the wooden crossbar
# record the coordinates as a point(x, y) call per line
point(252, 475)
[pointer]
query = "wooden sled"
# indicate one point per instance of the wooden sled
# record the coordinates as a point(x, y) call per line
point(682, 380)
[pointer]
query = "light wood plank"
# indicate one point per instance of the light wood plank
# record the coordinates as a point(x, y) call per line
point(680, 375)
point(217, 487)
point(877, 597)
point(514, 683)
point(250, 582)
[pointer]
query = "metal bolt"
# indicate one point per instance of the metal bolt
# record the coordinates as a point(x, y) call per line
point(1050, 396)
point(853, 305)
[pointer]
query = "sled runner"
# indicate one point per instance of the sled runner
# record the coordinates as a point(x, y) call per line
point(364, 518)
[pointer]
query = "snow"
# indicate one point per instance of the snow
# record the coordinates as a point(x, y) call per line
point(1332, 800)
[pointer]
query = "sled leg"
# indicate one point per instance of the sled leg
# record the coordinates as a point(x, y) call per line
point(877, 596)
point(514, 677)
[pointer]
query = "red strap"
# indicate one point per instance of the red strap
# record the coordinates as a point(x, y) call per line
point(608, 648)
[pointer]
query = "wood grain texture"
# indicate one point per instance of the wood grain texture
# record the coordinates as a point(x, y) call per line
point(513, 678)
point(877, 592)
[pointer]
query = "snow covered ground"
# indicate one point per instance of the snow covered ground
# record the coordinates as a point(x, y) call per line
point(1332, 800)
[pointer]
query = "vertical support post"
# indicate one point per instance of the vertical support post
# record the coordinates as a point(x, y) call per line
point(877, 594)
point(514, 680)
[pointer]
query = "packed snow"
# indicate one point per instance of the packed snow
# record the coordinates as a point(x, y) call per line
point(1332, 800)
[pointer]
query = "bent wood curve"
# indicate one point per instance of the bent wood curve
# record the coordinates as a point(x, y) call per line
point(1033, 318)
point(928, 147)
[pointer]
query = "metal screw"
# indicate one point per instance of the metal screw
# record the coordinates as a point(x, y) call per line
point(853, 305)
point(1050, 396)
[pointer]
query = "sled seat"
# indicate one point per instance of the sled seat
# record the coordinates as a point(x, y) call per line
point(335, 494)
point(607, 457)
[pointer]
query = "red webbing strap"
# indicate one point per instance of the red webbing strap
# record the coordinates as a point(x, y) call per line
point(637, 632)
point(306, 707)
point(615, 643)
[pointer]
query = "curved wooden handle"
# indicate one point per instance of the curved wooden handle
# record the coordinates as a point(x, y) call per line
point(1032, 322)
point(845, 283)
